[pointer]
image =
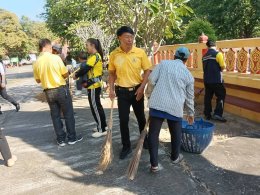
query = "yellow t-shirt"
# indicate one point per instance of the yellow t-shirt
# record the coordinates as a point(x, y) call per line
point(97, 70)
point(128, 66)
point(49, 69)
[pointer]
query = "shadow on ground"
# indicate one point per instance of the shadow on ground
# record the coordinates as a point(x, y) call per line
point(77, 164)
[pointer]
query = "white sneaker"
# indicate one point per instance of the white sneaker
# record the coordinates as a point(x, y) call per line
point(95, 130)
point(78, 92)
point(99, 134)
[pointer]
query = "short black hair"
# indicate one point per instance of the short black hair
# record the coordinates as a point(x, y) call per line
point(124, 29)
point(211, 43)
point(83, 55)
point(43, 43)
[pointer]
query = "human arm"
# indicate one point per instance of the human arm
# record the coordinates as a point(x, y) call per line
point(146, 66)
point(88, 65)
point(189, 101)
point(66, 75)
point(35, 73)
point(140, 91)
point(2, 74)
point(3, 81)
point(64, 71)
point(154, 76)
point(220, 60)
point(112, 79)
point(84, 68)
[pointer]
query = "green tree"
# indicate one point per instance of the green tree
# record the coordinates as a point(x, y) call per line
point(230, 18)
point(151, 20)
point(12, 37)
point(195, 28)
point(61, 14)
point(35, 31)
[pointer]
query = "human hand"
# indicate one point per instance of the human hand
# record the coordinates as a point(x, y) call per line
point(112, 94)
point(74, 77)
point(190, 119)
point(2, 85)
point(139, 93)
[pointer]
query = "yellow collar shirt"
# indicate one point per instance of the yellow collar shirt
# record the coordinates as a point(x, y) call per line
point(49, 69)
point(128, 66)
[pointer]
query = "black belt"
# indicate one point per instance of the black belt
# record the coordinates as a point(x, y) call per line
point(128, 88)
point(48, 89)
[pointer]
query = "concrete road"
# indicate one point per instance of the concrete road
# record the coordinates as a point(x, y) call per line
point(231, 165)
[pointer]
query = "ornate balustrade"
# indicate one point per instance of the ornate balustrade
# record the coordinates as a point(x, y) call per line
point(242, 73)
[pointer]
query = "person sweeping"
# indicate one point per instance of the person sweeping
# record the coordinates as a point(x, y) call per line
point(126, 64)
point(173, 88)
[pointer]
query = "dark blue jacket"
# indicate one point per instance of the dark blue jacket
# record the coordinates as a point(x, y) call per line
point(211, 68)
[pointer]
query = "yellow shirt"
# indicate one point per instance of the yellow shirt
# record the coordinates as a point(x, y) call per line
point(49, 69)
point(220, 60)
point(128, 66)
point(96, 71)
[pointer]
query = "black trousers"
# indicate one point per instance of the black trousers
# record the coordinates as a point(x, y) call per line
point(126, 99)
point(59, 99)
point(4, 147)
point(153, 138)
point(219, 91)
point(7, 97)
point(79, 83)
point(97, 109)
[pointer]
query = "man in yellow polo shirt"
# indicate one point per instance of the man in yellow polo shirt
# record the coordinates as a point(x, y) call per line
point(50, 71)
point(126, 65)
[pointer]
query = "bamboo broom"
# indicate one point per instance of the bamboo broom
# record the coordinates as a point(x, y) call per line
point(106, 156)
point(134, 163)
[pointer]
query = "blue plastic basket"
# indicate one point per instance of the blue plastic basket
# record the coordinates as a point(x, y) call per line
point(196, 138)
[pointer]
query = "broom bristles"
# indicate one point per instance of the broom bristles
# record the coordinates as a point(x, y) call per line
point(106, 156)
point(106, 152)
point(134, 163)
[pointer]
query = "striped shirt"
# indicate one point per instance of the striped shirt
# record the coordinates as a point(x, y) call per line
point(173, 88)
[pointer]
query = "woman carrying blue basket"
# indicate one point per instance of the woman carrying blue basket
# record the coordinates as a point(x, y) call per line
point(173, 88)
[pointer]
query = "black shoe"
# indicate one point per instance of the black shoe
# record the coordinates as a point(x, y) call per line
point(78, 139)
point(208, 117)
point(61, 143)
point(1, 112)
point(17, 106)
point(219, 118)
point(124, 153)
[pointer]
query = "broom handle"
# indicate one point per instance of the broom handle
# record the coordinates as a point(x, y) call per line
point(71, 75)
point(110, 124)
point(147, 124)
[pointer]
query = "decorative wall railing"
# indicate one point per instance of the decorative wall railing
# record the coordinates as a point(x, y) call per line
point(241, 75)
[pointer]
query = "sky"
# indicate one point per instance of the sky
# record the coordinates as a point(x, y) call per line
point(29, 8)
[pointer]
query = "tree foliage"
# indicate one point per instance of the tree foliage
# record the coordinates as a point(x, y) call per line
point(61, 14)
point(18, 38)
point(94, 30)
point(196, 27)
point(35, 31)
point(150, 19)
point(230, 18)
point(12, 38)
